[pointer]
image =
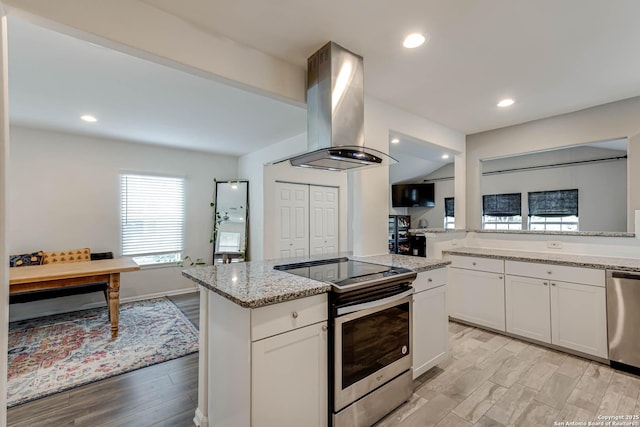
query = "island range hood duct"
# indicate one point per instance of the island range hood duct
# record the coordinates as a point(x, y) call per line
point(335, 113)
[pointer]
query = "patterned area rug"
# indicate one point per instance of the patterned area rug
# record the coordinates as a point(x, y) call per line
point(51, 354)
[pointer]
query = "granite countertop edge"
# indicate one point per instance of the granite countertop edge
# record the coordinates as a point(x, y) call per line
point(572, 260)
point(533, 232)
point(306, 287)
point(262, 302)
point(558, 233)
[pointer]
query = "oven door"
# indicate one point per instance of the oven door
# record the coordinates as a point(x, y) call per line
point(372, 346)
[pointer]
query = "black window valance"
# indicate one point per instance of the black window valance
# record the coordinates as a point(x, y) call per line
point(502, 204)
point(449, 206)
point(553, 203)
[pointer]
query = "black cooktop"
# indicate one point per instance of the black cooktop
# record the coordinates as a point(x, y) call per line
point(345, 274)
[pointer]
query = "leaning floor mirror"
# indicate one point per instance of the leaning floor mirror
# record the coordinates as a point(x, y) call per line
point(231, 222)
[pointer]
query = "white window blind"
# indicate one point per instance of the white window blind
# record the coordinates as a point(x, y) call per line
point(152, 214)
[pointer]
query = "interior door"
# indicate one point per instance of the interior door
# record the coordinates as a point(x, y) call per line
point(293, 221)
point(323, 211)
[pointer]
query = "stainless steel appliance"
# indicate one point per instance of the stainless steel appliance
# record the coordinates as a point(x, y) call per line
point(371, 330)
point(335, 113)
point(623, 319)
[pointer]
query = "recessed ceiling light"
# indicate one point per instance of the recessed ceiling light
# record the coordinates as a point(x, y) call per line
point(89, 118)
point(395, 141)
point(445, 156)
point(414, 40)
point(506, 102)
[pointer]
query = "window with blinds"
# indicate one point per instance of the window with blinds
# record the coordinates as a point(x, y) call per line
point(553, 210)
point(449, 213)
point(152, 218)
point(502, 211)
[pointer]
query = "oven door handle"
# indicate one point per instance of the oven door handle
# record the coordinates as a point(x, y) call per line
point(373, 304)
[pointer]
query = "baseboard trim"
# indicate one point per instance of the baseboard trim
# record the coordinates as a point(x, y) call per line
point(90, 305)
point(200, 420)
point(158, 295)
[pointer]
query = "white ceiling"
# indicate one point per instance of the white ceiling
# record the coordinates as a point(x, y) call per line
point(551, 57)
point(54, 79)
point(415, 158)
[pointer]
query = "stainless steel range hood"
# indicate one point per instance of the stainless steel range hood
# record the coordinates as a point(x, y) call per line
point(335, 113)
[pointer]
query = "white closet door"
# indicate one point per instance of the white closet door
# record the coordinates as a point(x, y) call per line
point(293, 220)
point(323, 220)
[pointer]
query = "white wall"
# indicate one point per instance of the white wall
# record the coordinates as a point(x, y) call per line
point(444, 186)
point(604, 122)
point(365, 192)
point(64, 194)
point(263, 215)
point(633, 178)
point(4, 270)
point(434, 215)
point(370, 187)
point(602, 187)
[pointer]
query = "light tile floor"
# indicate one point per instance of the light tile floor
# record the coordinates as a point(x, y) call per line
point(493, 380)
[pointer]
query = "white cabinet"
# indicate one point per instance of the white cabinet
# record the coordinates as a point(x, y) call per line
point(430, 323)
point(527, 308)
point(264, 366)
point(579, 318)
point(477, 296)
point(289, 378)
point(570, 315)
point(289, 363)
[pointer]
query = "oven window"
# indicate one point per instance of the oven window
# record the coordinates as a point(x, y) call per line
point(372, 342)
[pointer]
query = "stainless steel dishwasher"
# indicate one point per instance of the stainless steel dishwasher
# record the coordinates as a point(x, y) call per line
point(623, 318)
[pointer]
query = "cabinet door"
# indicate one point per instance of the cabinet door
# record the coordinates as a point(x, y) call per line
point(293, 221)
point(289, 379)
point(579, 317)
point(324, 220)
point(430, 338)
point(477, 297)
point(527, 307)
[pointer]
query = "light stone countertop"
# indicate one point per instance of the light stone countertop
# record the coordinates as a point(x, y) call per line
point(415, 263)
point(559, 233)
point(588, 261)
point(255, 284)
point(436, 230)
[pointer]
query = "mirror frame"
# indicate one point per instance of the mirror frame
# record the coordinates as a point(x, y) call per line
point(243, 256)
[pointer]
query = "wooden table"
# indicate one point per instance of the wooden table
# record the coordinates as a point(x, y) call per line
point(55, 276)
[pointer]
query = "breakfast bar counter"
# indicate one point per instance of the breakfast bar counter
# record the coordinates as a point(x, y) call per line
point(573, 260)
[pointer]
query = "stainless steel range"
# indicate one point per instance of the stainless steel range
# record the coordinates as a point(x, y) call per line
point(370, 355)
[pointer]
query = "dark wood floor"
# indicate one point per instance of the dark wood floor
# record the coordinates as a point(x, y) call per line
point(161, 395)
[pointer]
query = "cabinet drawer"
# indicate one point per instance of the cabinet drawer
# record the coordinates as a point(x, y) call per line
point(475, 263)
point(278, 318)
point(587, 276)
point(430, 279)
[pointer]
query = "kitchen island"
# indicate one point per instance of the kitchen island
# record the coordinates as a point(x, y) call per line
point(263, 340)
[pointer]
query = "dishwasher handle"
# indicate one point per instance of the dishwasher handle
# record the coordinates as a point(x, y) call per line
point(617, 274)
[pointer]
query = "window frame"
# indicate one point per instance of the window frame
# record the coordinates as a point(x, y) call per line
point(151, 257)
point(449, 221)
point(563, 221)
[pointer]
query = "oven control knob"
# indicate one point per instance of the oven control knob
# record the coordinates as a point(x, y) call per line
point(404, 349)
point(294, 314)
